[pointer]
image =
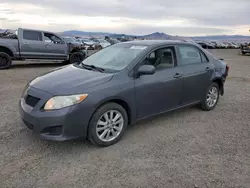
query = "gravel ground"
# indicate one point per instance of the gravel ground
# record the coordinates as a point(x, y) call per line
point(185, 148)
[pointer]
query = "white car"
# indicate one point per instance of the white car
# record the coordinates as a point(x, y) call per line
point(103, 43)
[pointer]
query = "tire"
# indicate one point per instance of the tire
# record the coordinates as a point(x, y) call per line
point(76, 57)
point(243, 53)
point(99, 47)
point(66, 62)
point(95, 137)
point(5, 60)
point(207, 106)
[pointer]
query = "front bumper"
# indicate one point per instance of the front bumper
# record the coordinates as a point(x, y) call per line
point(59, 125)
point(246, 50)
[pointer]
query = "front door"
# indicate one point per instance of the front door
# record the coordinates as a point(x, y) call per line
point(55, 47)
point(197, 73)
point(161, 91)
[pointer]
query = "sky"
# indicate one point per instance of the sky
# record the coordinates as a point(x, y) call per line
point(139, 17)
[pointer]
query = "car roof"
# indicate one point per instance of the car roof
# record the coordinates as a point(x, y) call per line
point(157, 42)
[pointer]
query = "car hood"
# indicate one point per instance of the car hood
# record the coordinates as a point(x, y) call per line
point(69, 80)
point(89, 43)
point(105, 44)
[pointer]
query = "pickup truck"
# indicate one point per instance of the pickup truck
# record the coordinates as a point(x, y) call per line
point(34, 44)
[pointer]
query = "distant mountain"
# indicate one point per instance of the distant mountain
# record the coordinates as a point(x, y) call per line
point(83, 33)
point(2, 30)
point(115, 35)
point(156, 35)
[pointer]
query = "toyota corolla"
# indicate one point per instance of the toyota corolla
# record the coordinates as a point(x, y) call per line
point(118, 86)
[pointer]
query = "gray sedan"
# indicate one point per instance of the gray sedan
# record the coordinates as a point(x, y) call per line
point(118, 86)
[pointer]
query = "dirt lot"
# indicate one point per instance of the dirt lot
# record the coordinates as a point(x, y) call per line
point(185, 148)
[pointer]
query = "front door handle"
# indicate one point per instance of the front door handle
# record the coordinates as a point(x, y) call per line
point(25, 43)
point(177, 75)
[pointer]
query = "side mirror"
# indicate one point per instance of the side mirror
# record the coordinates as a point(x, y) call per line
point(146, 70)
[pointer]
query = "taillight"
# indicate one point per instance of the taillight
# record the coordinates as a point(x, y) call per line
point(227, 70)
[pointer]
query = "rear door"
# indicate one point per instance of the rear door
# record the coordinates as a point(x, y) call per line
point(31, 44)
point(197, 73)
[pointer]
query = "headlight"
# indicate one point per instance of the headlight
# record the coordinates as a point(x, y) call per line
point(59, 102)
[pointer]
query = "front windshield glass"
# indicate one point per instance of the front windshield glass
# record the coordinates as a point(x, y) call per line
point(103, 41)
point(70, 39)
point(86, 40)
point(116, 57)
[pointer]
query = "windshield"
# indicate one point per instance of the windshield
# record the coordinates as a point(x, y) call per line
point(103, 41)
point(70, 39)
point(86, 40)
point(115, 57)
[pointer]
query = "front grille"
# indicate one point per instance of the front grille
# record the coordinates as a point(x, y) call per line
point(31, 100)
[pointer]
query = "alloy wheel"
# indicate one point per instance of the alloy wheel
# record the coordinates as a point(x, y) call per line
point(109, 126)
point(212, 96)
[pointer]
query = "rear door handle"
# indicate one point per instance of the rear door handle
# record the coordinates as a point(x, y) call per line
point(207, 68)
point(25, 43)
point(177, 75)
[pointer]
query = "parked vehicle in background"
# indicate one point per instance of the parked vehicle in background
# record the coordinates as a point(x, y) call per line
point(218, 44)
point(103, 43)
point(35, 44)
point(112, 40)
point(235, 45)
point(90, 44)
point(72, 40)
point(206, 45)
point(245, 48)
point(215, 44)
point(120, 85)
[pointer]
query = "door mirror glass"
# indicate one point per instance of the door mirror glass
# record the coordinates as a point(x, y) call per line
point(146, 70)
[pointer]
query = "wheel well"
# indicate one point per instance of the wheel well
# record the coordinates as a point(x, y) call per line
point(6, 50)
point(220, 84)
point(73, 51)
point(123, 104)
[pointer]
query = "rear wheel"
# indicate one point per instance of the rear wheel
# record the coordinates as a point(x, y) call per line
point(5, 60)
point(108, 124)
point(98, 47)
point(212, 97)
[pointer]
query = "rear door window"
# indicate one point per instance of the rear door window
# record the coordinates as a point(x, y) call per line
point(189, 55)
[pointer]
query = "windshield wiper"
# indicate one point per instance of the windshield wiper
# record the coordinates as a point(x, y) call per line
point(93, 67)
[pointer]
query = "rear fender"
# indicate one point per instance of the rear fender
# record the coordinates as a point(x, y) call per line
point(220, 81)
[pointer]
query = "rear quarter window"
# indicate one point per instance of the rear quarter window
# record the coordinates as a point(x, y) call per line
point(32, 35)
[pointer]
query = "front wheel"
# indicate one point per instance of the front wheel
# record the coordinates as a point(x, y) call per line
point(76, 57)
point(108, 124)
point(212, 97)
